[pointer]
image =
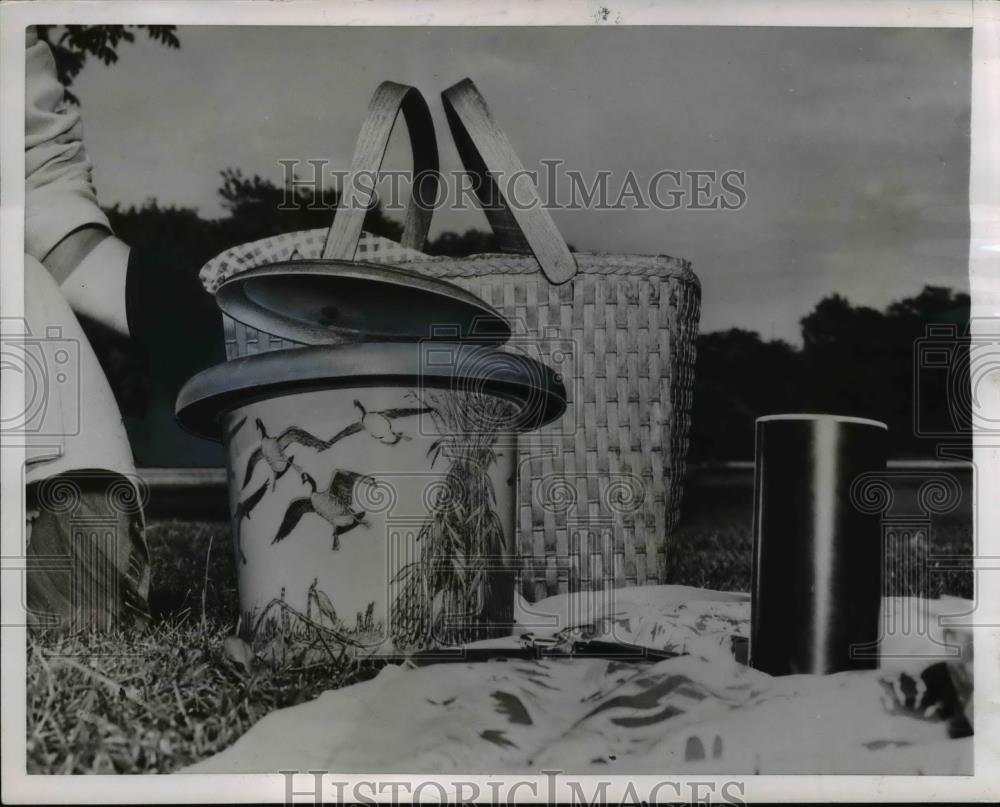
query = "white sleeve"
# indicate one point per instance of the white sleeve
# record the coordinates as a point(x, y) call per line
point(59, 194)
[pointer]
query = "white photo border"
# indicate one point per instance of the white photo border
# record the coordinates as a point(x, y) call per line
point(983, 16)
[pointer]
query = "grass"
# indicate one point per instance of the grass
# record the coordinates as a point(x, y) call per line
point(187, 577)
point(712, 547)
point(719, 558)
point(158, 700)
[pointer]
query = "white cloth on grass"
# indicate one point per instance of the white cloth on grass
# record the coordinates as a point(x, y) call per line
point(699, 712)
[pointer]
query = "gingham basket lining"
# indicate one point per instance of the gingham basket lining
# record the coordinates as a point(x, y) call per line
point(376, 249)
point(307, 243)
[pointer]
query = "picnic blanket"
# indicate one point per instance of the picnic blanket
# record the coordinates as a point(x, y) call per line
point(701, 710)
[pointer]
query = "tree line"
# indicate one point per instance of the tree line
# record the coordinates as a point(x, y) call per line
point(854, 360)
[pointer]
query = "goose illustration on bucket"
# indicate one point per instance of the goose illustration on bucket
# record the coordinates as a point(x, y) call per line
point(273, 451)
point(379, 424)
point(335, 505)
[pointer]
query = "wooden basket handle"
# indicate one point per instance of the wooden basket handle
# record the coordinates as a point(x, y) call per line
point(484, 148)
point(389, 99)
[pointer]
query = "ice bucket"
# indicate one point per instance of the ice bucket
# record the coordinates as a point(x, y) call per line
point(372, 484)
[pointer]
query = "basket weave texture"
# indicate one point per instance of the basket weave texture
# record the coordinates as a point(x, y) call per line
point(599, 491)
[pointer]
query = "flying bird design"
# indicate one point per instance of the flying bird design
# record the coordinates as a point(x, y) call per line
point(379, 424)
point(386, 415)
point(272, 450)
point(243, 510)
point(335, 505)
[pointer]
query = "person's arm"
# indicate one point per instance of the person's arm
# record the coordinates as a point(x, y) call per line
point(64, 226)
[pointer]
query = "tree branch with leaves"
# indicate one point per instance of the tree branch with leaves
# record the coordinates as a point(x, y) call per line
point(72, 45)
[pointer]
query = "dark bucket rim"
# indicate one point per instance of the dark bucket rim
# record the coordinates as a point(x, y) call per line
point(207, 396)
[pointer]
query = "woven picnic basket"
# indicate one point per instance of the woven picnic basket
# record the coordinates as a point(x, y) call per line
point(599, 491)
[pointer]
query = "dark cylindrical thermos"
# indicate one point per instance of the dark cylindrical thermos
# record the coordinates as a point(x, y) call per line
point(817, 558)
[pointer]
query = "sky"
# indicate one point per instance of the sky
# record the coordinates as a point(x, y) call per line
point(855, 142)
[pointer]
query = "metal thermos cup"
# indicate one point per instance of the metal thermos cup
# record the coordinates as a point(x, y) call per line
point(817, 558)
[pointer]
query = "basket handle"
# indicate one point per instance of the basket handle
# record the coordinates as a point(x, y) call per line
point(388, 101)
point(484, 148)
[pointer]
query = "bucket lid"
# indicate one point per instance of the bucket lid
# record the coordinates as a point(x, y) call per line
point(535, 389)
point(332, 301)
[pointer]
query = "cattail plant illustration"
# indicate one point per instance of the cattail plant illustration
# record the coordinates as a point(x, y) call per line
point(458, 587)
point(282, 634)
